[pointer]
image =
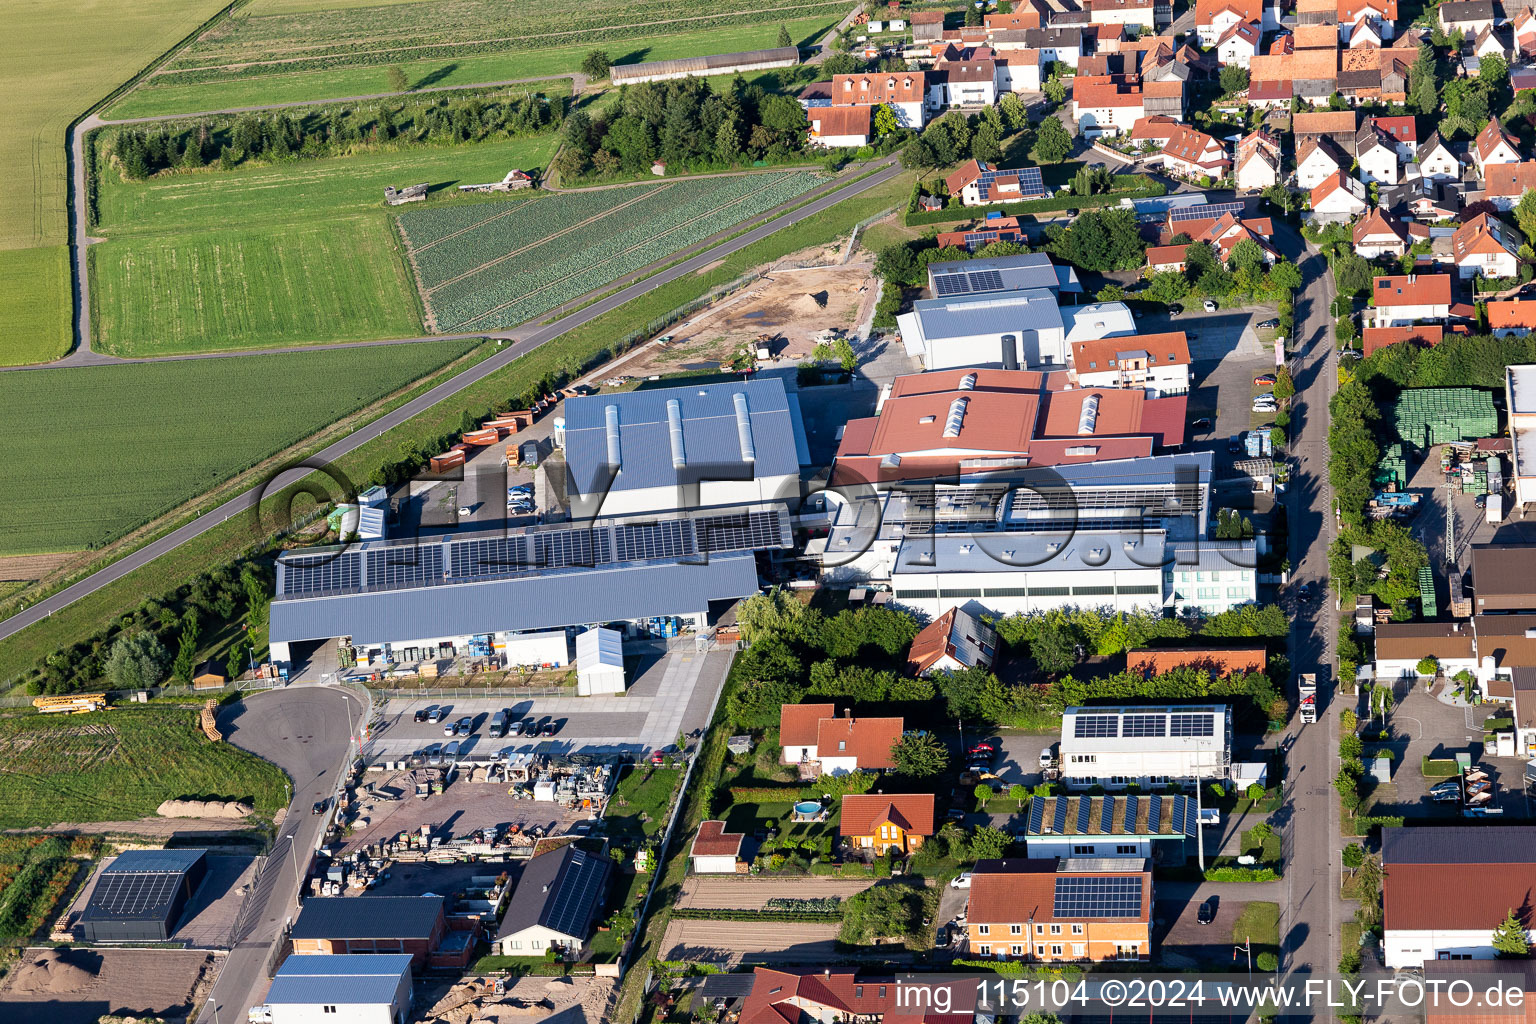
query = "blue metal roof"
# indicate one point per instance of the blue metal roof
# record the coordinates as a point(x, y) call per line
point(174, 861)
point(547, 601)
point(711, 441)
point(1033, 309)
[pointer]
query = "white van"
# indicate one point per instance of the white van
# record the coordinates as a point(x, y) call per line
point(1048, 757)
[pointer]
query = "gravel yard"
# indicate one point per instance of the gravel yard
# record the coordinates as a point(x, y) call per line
point(737, 892)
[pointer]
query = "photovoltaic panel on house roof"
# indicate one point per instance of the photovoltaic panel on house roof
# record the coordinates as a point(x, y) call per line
point(1191, 725)
point(1084, 810)
point(1059, 826)
point(1036, 816)
point(951, 284)
point(1098, 897)
point(1210, 211)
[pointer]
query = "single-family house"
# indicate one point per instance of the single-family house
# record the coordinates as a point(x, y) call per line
point(1376, 155)
point(840, 127)
point(1338, 198)
point(716, 851)
point(1380, 234)
point(1193, 154)
point(1330, 124)
point(1436, 161)
point(1239, 44)
point(1257, 163)
point(876, 822)
point(1154, 130)
point(1064, 43)
point(1511, 317)
point(1363, 34)
point(1054, 910)
point(1107, 104)
point(1155, 363)
point(1167, 257)
point(1140, 13)
point(962, 83)
point(905, 92)
point(1494, 145)
point(978, 184)
point(982, 233)
point(1376, 338)
point(1319, 159)
point(1404, 133)
point(1400, 646)
point(1469, 17)
point(1504, 184)
point(1214, 17)
point(1485, 247)
point(1427, 199)
point(1380, 14)
point(821, 742)
point(1401, 301)
point(1524, 29)
point(1491, 42)
point(557, 903)
point(953, 642)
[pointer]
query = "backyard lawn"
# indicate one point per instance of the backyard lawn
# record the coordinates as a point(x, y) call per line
point(1260, 923)
point(642, 799)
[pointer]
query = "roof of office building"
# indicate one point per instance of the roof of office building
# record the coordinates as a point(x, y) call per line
point(1142, 728)
point(1084, 551)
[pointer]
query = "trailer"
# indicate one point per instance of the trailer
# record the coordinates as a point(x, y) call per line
point(1308, 687)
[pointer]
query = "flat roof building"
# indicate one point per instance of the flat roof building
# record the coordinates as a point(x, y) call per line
point(1146, 745)
point(1520, 401)
point(413, 925)
point(342, 989)
point(1502, 577)
point(140, 895)
point(1161, 828)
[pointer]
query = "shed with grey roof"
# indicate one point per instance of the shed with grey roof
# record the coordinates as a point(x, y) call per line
point(414, 925)
point(557, 902)
point(140, 895)
point(366, 989)
point(713, 64)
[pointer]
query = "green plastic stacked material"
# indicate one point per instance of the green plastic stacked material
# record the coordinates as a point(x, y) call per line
point(1427, 592)
point(1423, 417)
point(1392, 470)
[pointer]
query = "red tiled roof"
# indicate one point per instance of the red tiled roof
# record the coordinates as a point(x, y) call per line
point(1222, 661)
point(1489, 138)
point(798, 723)
point(1512, 313)
point(873, 88)
point(1246, 10)
point(1378, 223)
point(1482, 235)
point(1510, 180)
point(714, 841)
point(1016, 891)
point(867, 740)
point(1376, 338)
point(1419, 897)
point(1403, 129)
point(1159, 255)
point(1169, 349)
point(1326, 122)
point(1106, 91)
point(834, 121)
point(1413, 290)
point(1349, 10)
point(864, 813)
point(1333, 183)
point(931, 643)
point(1263, 91)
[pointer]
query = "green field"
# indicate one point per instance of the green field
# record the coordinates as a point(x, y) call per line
point(35, 875)
point(289, 254)
point(489, 267)
point(60, 59)
point(164, 95)
point(120, 765)
point(92, 452)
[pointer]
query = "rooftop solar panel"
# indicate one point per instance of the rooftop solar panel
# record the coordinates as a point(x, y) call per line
point(1132, 808)
point(1144, 725)
point(1154, 815)
point(1192, 725)
point(986, 281)
point(951, 284)
point(1098, 896)
point(1210, 211)
point(1095, 726)
point(1036, 816)
point(1059, 825)
point(1107, 815)
point(1084, 810)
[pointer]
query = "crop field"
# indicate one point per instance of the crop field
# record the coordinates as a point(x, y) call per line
point(58, 60)
point(731, 942)
point(283, 83)
point(513, 265)
point(120, 765)
point(92, 452)
point(288, 254)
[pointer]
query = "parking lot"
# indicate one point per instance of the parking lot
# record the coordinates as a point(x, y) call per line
point(671, 694)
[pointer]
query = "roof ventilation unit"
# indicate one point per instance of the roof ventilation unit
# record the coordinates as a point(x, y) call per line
point(956, 417)
point(744, 428)
point(675, 428)
point(968, 382)
point(1089, 416)
point(611, 427)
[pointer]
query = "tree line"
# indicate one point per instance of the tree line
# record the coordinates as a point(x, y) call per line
point(331, 131)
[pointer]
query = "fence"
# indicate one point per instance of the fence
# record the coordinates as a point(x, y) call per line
point(169, 690)
point(460, 692)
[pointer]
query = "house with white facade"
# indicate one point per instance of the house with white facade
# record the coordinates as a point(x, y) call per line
point(1258, 160)
point(840, 127)
point(1317, 160)
point(1193, 154)
point(341, 988)
point(1163, 829)
point(1213, 18)
point(1156, 363)
point(1380, 235)
point(1400, 646)
point(1338, 198)
point(1124, 745)
point(1107, 104)
point(1239, 44)
point(1504, 184)
point(1209, 577)
point(716, 851)
point(823, 742)
point(1494, 145)
point(1375, 155)
point(1401, 301)
point(1436, 161)
point(905, 92)
point(556, 904)
point(1445, 890)
point(1485, 247)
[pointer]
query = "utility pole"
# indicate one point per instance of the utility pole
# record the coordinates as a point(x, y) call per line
point(1246, 947)
point(1199, 829)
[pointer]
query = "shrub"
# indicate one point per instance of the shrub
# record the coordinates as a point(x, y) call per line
point(1241, 874)
point(1428, 665)
point(1267, 962)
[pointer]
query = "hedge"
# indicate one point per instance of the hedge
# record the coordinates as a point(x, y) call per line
point(852, 868)
point(1241, 874)
point(1054, 205)
point(1437, 768)
point(752, 794)
point(793, 916)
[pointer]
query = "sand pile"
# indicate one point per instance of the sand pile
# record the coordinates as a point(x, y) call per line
point(204, 809)
point(51, 974)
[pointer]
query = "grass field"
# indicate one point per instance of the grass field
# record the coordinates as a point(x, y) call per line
point(58, 61)
point(120, 765)
point(35, 874)
point(21, 652)
point(92, 452)
point(489, 266)
point(289, 254)
point(165, 95)
point(642, 799)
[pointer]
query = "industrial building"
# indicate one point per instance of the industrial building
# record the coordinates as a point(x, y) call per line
point(140, 896)
point(1002, 274)
point(1164, 829)
point(342, 989)
point(1520, 402)
point(1502, 576)
point(1115, 747)
point(413, 925)
point(1009, 329)
point(1445, 890)
point(703, 446)
point(421, 599)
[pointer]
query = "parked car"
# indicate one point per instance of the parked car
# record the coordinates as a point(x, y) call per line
point(1207, 911)
point(1271, 322)
point(962, 881)
point(320, 806)
point(421, 714)
point(451, 752)
point(1235, 445)
point(1211, 306)
point(434, 754)
point(658, 758)
point(450, 728)
point(1048, 757)
point(529, 726)
point(1259, 405)
point(1445, 792)
point(436, 714)
point(1264, 380)
point(515, 729)
point(549, 728)
point(1174, 309)
point(1202, 425)
point(465, 510)
point(464, 726)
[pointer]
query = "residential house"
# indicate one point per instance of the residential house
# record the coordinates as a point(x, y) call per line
point(1377, 338)
point(1226, 231)
point(1156, 363)
point(798, 728)
point(1258, 160)
point(1107, 104)
point(556, 905)
point(1148, 662)
point(1268, 94)
point(1214, 17)
point(1504, 184)
point(840, 127)
point(1139, 13)
point(1337, 199)
point(783, 997)
point(1512, 318)
point(1055, 911)
point(1524, 29)
point(716, 851)
point(1494, 145)
point(978, 184)
point(962, 83)
point(1119, 746)
point(1468, 17)
point(1018, 71)
point(905, 92)
point(1193, 154)
point(1484, 246)
point(1239, 44)
point(1426, 199)
point(371, 924)
point(1401, 301)
point(953, 642)
point(1319, 159)
point(1379, 234)
point(983, 233)
point(1400, 646)
point(1404, 133)
point(876, 822)
point(1167, 257)
point(1380, 14)
point(1376, 155)
point(1154, 130)
point(1064, 43)
point(1315, 37)
point(1436, 161)
point(1329, 124)
point(1425, 919)
point(1164, 829)
point(1362, 35)
point(839, 744)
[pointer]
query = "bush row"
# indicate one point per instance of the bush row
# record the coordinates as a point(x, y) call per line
point(1241, 874)
point(1053, 205)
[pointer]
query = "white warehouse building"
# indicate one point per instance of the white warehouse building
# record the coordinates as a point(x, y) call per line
point(343, 988)
point(1115, 747)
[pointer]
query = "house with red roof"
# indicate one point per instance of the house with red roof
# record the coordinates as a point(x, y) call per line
point(1494, 145)
point(1485, 247)
point(978, 183)
point(1155, 130)
point(822, 742)
point(1156, 363)
point(1504, 184)
point(1404, 301)
point(1257, 163)
point(1107, 104)
point(1377, 338)
point(1446, 890)
point(823, 996)
point(1193, 154)
point(1337, 199)
point(1404, 132)
point(876, 822)
point(1380, 234)
point(905, 92)
point(716, 851)
point(1219, 661)
point(982, 233)
point(1167, 257)
point(1239, 44)
point(840, 127)
point(1318, 159)
point(953, 642)
point(1508, 317)
point(1024, 909)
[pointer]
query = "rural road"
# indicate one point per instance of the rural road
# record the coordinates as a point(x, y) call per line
point(525, 341)
point(307, 732)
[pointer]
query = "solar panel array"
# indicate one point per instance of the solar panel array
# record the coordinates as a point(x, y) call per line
point(1132, 807)
point(1059, 822)
point(1098, 896)
point(1144, 725)
point(134, 893)
point(1192, 725)
point(951, 284)
point(1095, 726)
point(576, 894)
point(438, 560)
point(1036, 816)
point(1031, 182)
point(1084, 812)
point(1210, 211)
point(986, 280)
point(1154, 814)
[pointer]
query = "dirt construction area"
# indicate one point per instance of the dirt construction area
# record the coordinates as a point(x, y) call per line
point(789, 304)
point(736, 892)
point(731, 942)
point(76, 986)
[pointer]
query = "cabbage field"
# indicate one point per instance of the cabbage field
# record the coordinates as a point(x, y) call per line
point(491, 266)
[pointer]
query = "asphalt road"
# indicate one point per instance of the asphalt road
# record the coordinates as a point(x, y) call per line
point(306, 731)
point(247, 502)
